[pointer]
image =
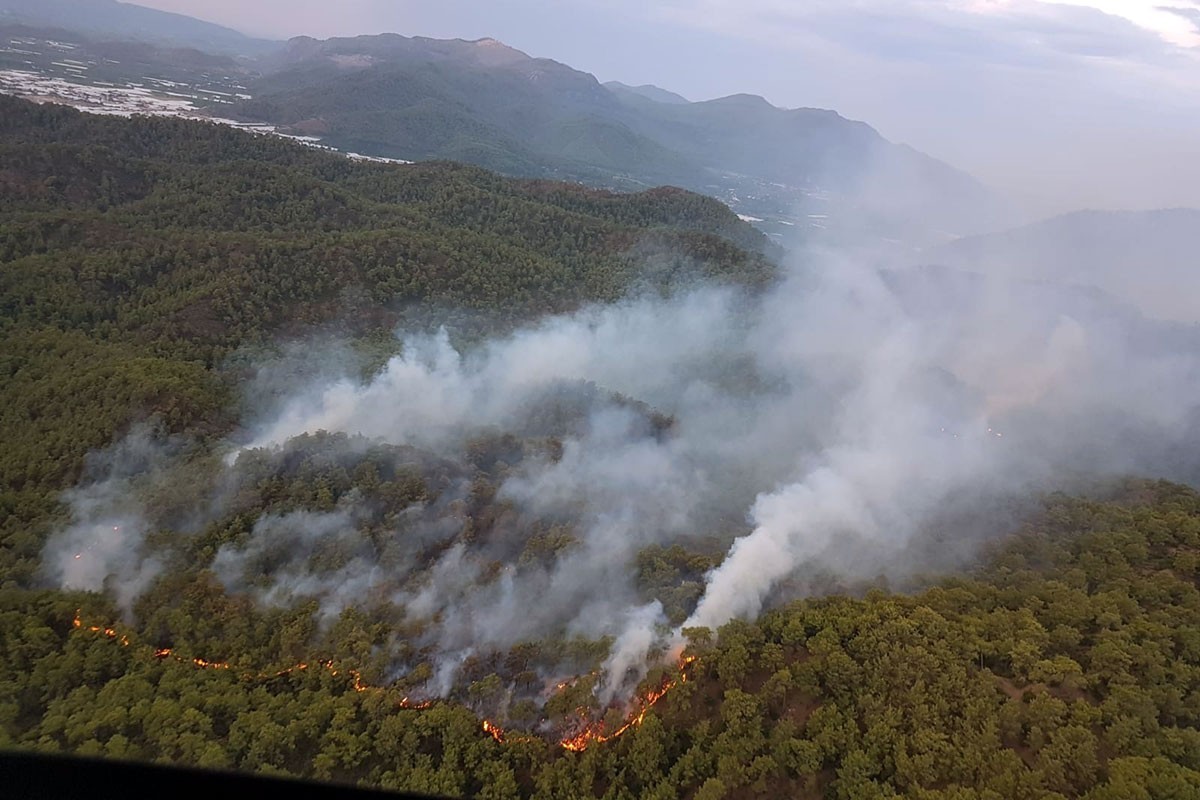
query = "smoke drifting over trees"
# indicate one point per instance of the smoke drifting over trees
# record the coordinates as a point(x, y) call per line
point(419, 477)
point(822, 430)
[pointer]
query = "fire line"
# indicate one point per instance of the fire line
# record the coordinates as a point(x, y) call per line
point(591, 733)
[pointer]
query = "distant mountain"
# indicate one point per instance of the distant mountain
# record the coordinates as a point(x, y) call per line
point(480, 102)
point(836, 170)
point(791, 171)
point(486, 103)
point(128, 21)
point(648, 91)
point(1149, 258)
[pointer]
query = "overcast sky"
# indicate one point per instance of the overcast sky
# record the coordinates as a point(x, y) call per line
point(1079, 103)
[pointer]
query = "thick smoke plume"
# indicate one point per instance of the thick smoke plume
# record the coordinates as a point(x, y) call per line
point(829, 426)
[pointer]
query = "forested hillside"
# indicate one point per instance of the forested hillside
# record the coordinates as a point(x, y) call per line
point(269, 604)
point(486, 103)
point(1068, 666)
point(139, 255)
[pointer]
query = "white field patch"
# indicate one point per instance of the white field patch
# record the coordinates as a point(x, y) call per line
point(164, 99)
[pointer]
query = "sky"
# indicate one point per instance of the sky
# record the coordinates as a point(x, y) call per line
point(1063, 105)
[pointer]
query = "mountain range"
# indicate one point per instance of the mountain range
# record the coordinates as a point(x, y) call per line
point(803, 170)
point(486, 103)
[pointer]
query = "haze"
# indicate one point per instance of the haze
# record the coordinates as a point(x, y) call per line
point(1063, 105)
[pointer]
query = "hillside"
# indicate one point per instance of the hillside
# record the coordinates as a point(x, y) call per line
point(480, 102)
point(806, 173)
point(486, 103)
point(140, 256)
point(1146, 257)
point(1067, 666)
point(647, 90)
point(245, 525)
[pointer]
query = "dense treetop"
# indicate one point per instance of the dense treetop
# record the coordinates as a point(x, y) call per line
point(144, 262)
point(1068, 666)
point(137, 255)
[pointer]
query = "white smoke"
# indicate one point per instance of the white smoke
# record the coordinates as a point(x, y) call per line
point(637, 636)
point(892, 456)
point(431, 394)
point(834, 418)
point(103, 546)
point(284, 547)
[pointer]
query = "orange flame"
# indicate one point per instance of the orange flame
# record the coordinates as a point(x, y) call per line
point(495, 731)
point(200, 662)
point(593, 733)
point(409, 704)
point(166, 652)
point(111, 633)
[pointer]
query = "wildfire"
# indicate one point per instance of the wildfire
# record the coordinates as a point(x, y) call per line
point(495, 731)
point(200, 662)
point(111, 633)
point(593, 732)
point(406, 703)
point(358, 684)
point(166, 652)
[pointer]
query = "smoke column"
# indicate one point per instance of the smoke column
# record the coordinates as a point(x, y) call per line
point(821, 426)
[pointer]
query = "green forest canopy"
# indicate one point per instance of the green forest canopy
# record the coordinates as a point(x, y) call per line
point(140, 256)
point(1067, 666)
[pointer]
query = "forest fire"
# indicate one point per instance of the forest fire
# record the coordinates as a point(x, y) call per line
point(593, 733)
point(203, 663)
point(111, 633)
point(495, 731)
point(298, 668)
point(415, 705)
point(358, 684)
